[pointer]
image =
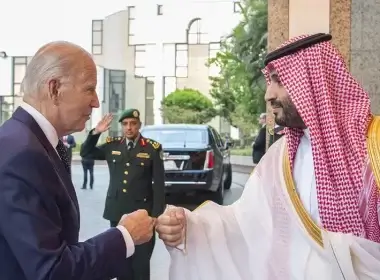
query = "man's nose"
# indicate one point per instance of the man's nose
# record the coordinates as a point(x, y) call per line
point(95, 102)
point(269, 95)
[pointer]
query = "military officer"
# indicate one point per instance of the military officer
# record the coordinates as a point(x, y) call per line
point(136, 178)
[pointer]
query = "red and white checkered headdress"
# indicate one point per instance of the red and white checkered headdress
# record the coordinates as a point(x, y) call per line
point(336, 109)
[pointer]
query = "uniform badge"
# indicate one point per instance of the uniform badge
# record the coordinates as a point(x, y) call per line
point(135, 114)
point(116, 153)
point(143, 155)
point(108, 139)
point(271, 131)
point(155, 145)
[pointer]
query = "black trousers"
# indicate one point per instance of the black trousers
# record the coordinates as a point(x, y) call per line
point(140, 260)
point(88, 167)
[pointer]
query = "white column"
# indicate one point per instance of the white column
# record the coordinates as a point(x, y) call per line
point(158, 83)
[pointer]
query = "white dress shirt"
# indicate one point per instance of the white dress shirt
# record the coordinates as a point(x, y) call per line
point(304, 179)
point(51, 135)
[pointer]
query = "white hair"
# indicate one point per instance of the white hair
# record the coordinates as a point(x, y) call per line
point(54, 60)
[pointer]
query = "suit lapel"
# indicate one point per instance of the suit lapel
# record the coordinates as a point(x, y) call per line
point(24, 117)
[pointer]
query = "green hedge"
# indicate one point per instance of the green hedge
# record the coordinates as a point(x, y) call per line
point(246, 151)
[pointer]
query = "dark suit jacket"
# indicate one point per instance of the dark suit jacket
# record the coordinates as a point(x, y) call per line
point(39, 214)
point(259, 145)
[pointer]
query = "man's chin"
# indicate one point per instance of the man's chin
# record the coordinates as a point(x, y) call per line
point(279, 121)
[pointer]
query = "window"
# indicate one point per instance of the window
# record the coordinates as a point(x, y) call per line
point(170, 85)
point(214, 48)
point(19, 69)
point(149, 101)
point(97, 37)
point(131, 25)
point(218, 140)
point(114, 87)
point(20, 60)
point(181, 60)
point(160, 11)
point(140, 60)
point(196, 33)
point(237, 8)
point(131, 12)
point(169, 60)
point(149, 110)
point(6, 107)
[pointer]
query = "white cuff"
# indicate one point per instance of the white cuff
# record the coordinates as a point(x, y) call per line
point(128, 240)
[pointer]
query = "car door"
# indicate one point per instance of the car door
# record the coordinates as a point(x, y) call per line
point(224, 150)
point(218, 155)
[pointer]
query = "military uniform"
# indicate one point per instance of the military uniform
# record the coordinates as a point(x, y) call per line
point(136, 182)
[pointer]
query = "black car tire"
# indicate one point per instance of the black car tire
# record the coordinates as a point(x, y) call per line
point(228, 181)
point(218, 196)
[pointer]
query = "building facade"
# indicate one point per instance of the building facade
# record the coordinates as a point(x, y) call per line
point(163, 47)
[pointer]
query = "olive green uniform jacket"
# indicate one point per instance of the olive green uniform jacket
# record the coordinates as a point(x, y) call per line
point(136, 175)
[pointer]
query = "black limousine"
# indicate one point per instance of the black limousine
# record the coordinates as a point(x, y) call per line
point(196, 159)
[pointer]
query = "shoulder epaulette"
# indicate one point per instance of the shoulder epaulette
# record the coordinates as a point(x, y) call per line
point(154, 144)
point(110, 139)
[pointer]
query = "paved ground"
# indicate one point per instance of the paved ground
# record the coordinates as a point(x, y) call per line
point(92, 203)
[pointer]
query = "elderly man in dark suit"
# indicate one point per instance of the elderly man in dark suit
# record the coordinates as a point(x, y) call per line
point(39, 213)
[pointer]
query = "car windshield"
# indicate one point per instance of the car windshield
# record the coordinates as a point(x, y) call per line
point(165, 136)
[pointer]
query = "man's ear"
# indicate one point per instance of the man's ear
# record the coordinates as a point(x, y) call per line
point(54, 86)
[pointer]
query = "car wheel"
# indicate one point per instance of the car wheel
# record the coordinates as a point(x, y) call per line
point(228, 181)
point(218, 196)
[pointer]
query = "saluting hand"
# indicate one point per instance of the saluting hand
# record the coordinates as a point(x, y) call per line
point(104, 124)
point(171, 226)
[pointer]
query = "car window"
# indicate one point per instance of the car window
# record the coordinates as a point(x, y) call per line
point(217, 140)
point(177, 135)
point(211, 138)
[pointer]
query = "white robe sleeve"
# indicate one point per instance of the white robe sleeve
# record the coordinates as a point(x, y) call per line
point(215, 247)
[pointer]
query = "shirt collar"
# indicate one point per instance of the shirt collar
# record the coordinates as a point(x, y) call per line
point(47, 128)
point(134, 141)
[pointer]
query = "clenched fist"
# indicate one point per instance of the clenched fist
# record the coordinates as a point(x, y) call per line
point(171, 226)
point(139, 225)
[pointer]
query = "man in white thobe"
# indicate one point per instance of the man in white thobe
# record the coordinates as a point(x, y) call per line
point(310, 208)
